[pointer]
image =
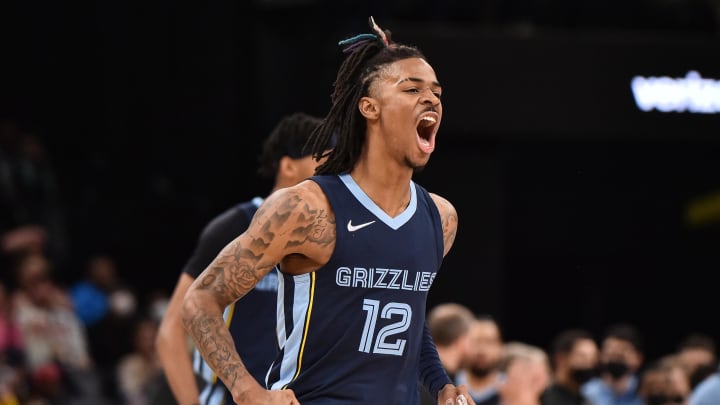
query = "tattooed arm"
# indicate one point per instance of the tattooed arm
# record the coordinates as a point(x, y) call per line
point(449, 218)
point(283, 226)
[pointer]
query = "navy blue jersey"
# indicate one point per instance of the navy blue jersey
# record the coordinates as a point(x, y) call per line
point(350, 332)
point(251, 320)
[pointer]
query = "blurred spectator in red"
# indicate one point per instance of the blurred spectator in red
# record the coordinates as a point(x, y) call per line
point(11, 353)
point(55, 342)
point(11, 345)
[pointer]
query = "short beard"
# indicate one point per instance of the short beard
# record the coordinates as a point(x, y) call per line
point(481, 372)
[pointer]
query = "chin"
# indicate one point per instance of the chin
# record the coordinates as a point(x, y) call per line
point(417, 163)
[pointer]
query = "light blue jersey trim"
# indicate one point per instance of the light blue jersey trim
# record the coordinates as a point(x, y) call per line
point(293, 343)
point(394, 223)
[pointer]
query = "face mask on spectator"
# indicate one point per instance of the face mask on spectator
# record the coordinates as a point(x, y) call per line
point(583, 375)
point(616, 368)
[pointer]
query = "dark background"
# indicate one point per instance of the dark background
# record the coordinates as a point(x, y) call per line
point(573, 203)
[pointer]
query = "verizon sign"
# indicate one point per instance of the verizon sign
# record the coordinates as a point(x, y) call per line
point(691, 93)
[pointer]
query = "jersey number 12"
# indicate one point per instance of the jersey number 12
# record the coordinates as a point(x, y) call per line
point(384, 343)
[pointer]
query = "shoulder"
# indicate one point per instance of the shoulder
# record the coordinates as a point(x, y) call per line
point(294, 212)
point(304, 196)
point(592, 388)
point(444, 206)
point(707, 391)
point(296, 220)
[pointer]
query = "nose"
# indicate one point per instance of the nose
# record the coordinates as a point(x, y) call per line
point(430, 98)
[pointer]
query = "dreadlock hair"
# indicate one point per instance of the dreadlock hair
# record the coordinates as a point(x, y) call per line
point(343, 129)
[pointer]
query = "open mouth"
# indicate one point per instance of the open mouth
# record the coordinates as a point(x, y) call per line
point(426, 130)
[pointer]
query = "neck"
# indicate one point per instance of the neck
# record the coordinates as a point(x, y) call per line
point(388, 188)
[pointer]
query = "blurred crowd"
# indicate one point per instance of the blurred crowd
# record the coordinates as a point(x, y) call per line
point(65, 339)
point(91, 342)
point(91, 339)
point(577, 368)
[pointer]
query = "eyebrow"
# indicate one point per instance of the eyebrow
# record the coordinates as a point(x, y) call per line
point(417, 80)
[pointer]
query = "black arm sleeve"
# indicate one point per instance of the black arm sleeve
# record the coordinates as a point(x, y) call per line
point(432, 374)
point(220, 231)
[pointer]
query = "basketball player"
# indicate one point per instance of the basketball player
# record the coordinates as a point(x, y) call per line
point(357, 247)
point(251, 321)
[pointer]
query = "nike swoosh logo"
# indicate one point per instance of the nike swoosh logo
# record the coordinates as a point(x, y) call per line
point(353, 228)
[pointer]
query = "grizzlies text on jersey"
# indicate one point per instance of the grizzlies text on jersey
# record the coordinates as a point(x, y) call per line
point(350, 332)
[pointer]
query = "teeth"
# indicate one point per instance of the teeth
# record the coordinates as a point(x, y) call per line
point(430, 119)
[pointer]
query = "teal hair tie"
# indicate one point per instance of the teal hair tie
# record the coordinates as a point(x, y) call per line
point(357, 38)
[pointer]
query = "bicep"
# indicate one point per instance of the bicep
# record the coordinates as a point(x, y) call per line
point(237, 268)
point(449, 219)
point(243, 262)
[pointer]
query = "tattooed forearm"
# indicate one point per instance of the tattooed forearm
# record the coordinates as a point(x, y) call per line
point(233, 273)
point(205, 325)
point(239, 267)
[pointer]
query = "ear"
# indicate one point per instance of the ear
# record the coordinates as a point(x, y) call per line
point(369, 108)
point(286, 167)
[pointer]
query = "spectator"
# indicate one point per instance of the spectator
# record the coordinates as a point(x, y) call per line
point(55, 342)
point(11, 344)
point(108, 309)
point(138, 370)
point(449, 324)
point(11, 353)
point(526, 372)
point(621, 357)
point(481, 368)
point(574, 361)
point(698, 357)
point(707, 392)
point(665, 382)
point(94, 297)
